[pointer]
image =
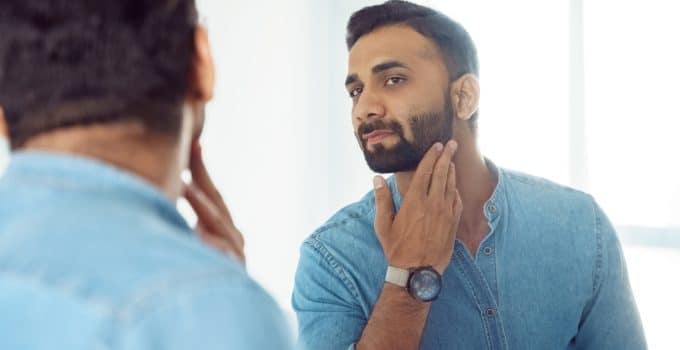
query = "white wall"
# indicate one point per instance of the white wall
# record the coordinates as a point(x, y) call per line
point(279, 141)
point(266, 137)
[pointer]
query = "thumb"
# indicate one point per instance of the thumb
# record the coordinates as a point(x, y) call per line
point(384, 209)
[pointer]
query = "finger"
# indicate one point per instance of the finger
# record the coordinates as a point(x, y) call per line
point(201, 178)
point(457, 208)
point(451, 189)
point(236, 236)
point(384, 208)
point(209, 216)
point(422, 177)
point(457, 213)
point(220, 241)
point(224, 246)
point(441, 171)
point(231, 237)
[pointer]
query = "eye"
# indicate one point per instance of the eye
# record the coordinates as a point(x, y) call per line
point(394, 81)
point(355, 92)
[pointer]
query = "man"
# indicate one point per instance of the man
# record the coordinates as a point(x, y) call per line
point(476, 257)
point(103, 103)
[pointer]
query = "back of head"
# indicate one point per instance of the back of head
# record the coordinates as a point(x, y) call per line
point(69, 63)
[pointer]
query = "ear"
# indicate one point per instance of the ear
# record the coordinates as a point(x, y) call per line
point(202, 83)
point(203, 69)
point(4, 130)
point(465, 96)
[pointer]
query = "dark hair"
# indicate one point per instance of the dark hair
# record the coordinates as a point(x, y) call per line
point(77, 62)
point(454, 42)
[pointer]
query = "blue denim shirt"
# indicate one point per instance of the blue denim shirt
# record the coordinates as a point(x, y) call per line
point(549, 274)
point(94, 258)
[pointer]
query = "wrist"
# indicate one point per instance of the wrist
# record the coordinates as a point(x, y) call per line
point(409, 264)
point(407, 304)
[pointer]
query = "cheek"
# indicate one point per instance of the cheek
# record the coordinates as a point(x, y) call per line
point(404, 122)
point(407, 130)
point(427, 104)
point(355, 123)
point(408, 104)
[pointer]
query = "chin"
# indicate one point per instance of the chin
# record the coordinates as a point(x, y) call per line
point(388, 166)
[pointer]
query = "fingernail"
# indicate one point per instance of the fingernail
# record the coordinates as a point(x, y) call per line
point(378, 182)
point(438, 146)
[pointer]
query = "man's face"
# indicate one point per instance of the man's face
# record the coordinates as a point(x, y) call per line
point(400, 90)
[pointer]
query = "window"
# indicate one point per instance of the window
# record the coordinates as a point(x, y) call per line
point(632, 82)
point(524, 76)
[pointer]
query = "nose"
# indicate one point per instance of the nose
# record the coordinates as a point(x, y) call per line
point(368, 106)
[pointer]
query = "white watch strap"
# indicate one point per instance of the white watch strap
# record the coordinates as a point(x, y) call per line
point(397, 276)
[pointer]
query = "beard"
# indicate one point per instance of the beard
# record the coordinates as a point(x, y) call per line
point(428, 129)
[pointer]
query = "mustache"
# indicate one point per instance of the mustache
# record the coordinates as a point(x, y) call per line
point(379, 125)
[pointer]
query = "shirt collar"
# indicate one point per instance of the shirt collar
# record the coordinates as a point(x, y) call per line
point(493, 207)
point(90, 176)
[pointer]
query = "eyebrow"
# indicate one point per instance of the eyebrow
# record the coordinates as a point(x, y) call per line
point(352, 78)
point(388, 65)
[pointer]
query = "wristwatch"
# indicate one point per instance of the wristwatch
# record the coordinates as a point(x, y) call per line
point(422, 283)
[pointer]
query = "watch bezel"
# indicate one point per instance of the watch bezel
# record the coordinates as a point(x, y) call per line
point(413, 273)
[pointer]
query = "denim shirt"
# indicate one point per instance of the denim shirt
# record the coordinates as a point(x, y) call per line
point(92, 257)
point(549, 274)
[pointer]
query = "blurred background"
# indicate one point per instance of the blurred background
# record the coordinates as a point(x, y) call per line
point(581, 92)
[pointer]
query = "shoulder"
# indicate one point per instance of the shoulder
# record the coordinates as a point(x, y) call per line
point(217, 308)
point(565, 221)
point(191, 293)
point(542, 197)
point(539, 187)
point(353, 223)
point(339, 252)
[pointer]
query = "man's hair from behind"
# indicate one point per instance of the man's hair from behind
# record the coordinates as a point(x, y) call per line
point(455, 44)
point(80, 62)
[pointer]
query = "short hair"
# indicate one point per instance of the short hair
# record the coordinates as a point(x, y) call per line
point(454, 42)
point(79, 62)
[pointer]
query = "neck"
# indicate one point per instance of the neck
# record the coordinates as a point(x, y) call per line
point(127, 146)
point(475, 183)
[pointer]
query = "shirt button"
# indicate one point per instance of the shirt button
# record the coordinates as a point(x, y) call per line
point(492, 208)
point(490, 312)
point(488, 250)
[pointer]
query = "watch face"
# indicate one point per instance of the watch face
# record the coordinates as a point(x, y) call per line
point(425, 284)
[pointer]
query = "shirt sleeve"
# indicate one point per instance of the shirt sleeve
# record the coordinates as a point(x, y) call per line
point(611, 319)
point(207, 317)
point(326, 302)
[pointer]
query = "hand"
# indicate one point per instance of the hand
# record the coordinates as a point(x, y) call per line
point(215, 225)
point(423, 233)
